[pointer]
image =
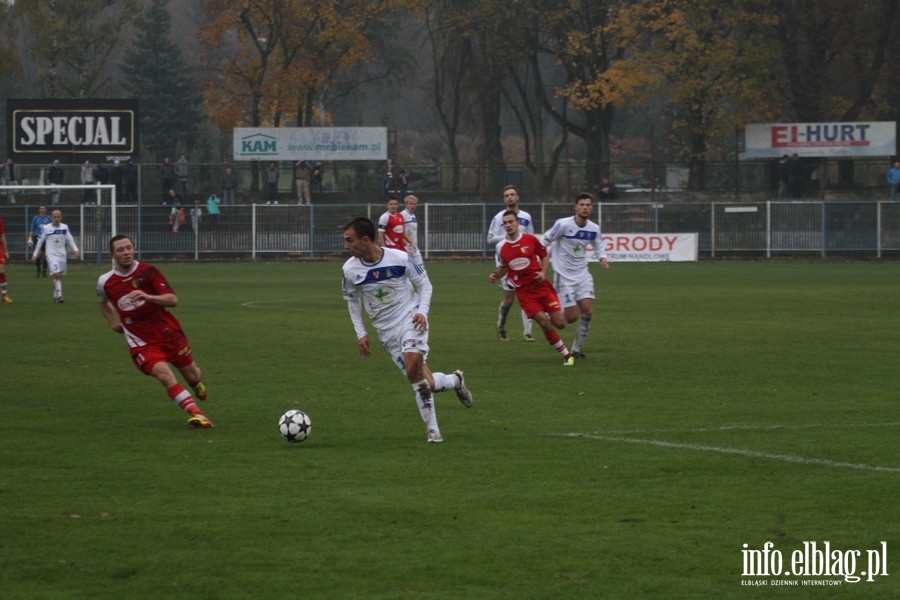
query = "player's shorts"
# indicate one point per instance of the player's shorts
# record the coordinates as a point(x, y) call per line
point(536, 297)
point(56, 265)
point(570, 292)
point(175, 350)
point(401, 340)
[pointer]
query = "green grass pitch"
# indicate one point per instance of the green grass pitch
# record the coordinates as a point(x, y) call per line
point(721, 404)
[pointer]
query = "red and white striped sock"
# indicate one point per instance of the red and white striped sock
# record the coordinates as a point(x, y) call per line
point(183, 399)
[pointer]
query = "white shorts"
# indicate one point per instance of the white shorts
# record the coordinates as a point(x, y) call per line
point(401, 340)
point(570, 292)
point(56, 265)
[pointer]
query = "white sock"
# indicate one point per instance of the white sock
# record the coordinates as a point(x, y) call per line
point(425, 401)
point(526, 324)
point(57, 287)
point(444, 382)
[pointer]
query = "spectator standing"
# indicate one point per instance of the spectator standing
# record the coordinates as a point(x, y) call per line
point(101, 177)
point(893, 178)
point(387, 178)
point(56, 240)
point(402, 183)
point(272, 175)
point(55, 176)
point(117, 178)
point(182, 170)
point(4, 256)
point(34, 234)
point(522, 260)
point(212, 207)
point(301, 179)
point(396, 294)
point(784, 175)
point(229, 185)
point(496, 234)
point(315, 180)
point(133, 298)
point(607, 190)
point(176, 212)
point(12, 175)
point(166, 177)
point(87, 178)
point(130, 182)
point(795, 177)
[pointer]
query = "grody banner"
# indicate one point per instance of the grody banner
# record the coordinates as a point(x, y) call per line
point(774, 140)
point(71, 130)
point(310, 143)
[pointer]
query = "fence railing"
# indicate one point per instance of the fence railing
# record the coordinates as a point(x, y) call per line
point(865, 229)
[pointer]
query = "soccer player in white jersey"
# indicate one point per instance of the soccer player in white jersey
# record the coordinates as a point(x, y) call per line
point(411, 226)
point(572, 242)
point(497, 234)
point(381, 281)
point(56, 240)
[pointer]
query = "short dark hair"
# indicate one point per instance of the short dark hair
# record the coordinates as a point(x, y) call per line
point(117, 238)
point(362, 227)
point(583, 196)
point(510, 212)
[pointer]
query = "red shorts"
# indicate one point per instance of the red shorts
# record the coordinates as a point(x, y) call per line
point(536, 297)
point(175, 350)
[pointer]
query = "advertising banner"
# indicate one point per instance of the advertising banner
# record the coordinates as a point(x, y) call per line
point(69, 129)
point(649, 247)
point(310, 143)
point(774, 140)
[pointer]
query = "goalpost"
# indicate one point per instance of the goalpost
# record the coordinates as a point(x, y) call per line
point(91, 225)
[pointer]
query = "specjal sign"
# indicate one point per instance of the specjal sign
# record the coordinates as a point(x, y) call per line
point(68, 129)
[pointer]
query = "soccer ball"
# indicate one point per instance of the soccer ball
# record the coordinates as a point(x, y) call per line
point(294, 426)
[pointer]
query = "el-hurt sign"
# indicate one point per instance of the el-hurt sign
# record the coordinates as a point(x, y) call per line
point(772, 140)
point(42, 130)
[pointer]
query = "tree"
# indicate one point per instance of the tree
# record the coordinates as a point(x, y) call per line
point(710, 60)
point(70, 42)
point(157, 74)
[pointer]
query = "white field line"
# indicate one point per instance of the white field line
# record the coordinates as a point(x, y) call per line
point(770, 427)
point(792, 458)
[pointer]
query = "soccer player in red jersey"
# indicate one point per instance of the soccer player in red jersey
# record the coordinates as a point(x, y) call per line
point(4, 256)
point(133, 299)
point(392, 228)
point(523, 260)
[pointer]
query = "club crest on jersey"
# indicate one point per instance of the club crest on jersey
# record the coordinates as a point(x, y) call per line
point(524, 249)
point(137, 283)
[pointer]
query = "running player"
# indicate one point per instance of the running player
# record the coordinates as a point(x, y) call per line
point(382, 281)
point(391, 230)
point(572, 239)
point(133, 299)
point(496, 234)
point(523, 261)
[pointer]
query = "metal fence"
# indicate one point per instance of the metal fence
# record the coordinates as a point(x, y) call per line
point(864, 229)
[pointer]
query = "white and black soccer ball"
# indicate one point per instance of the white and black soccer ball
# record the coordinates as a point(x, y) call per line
point(294, 426)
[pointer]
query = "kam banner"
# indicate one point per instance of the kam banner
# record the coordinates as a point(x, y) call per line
point(310, 143)
point(774, 140)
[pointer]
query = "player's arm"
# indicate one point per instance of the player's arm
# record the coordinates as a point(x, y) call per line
point(71, 241)
point(362, 338)
point(109, 313)
point(495, 232)
point(3, 243)
point(409, 240)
